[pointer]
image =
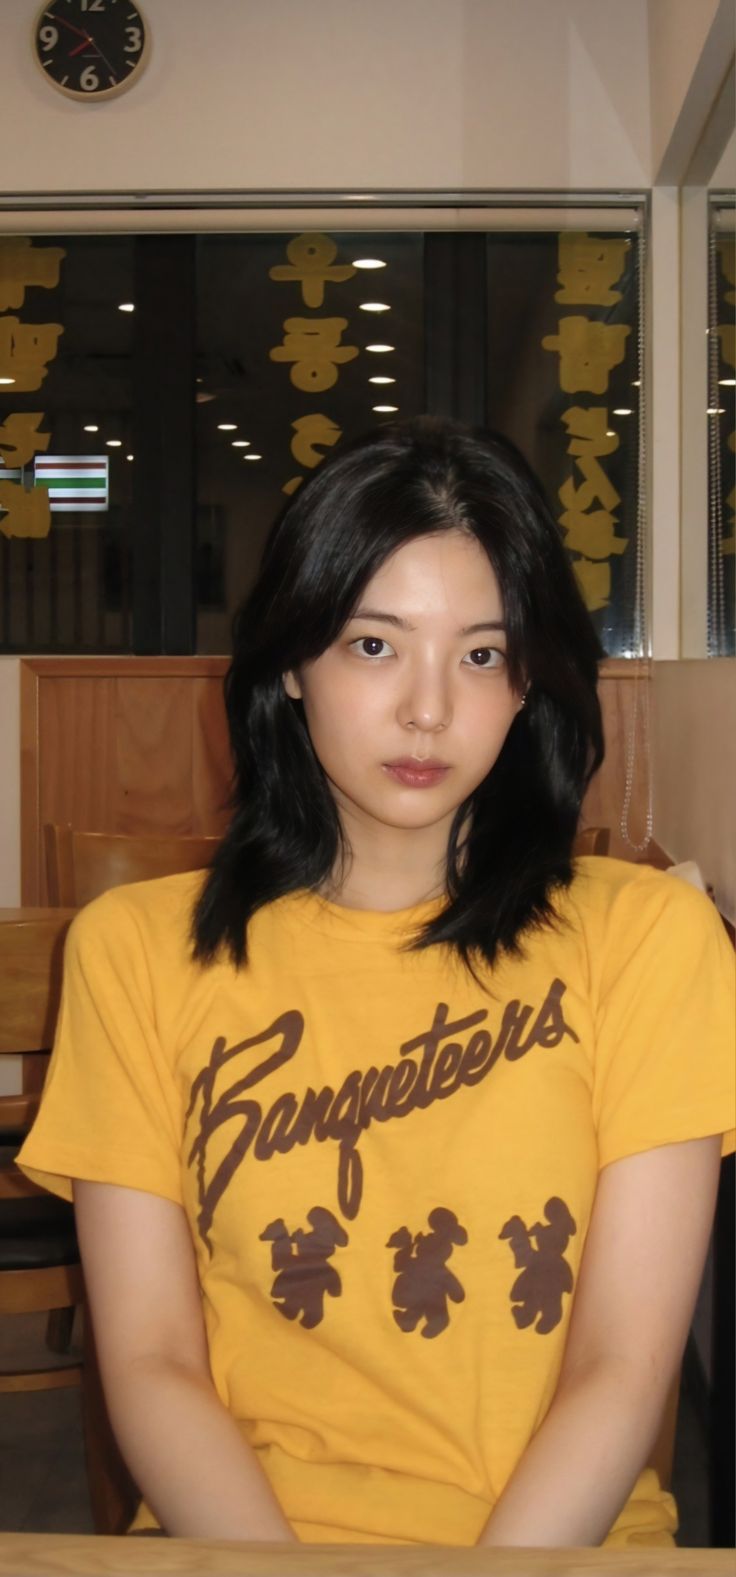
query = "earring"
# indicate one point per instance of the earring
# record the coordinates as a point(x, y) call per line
point(523, 699)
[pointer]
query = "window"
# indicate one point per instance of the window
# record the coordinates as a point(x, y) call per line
point(186, 384)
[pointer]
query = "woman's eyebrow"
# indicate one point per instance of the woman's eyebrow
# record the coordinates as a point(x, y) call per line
point(490, 624)
point(403, 624)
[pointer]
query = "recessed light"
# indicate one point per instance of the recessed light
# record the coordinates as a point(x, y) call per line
point(716, 410)
point(610, 433)
point(114, 443)
point(126, 306)
point(91, 428)
point(727, 383)
point(381, 380)
point(241, 443)
point(130, 457)
point(385, 407)
point(226, 427)
point(636, 383)
point(622, 410)
point(378, 348)
point(368, 262)
point(252, 456)
point(374, 306)
point(7, 380)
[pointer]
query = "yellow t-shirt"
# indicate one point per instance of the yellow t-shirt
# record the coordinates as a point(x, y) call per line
point(389, 1170)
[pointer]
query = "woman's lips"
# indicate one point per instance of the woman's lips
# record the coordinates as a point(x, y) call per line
point(417, 774)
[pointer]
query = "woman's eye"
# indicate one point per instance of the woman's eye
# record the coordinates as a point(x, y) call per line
point(485, 657)
point(371, 646)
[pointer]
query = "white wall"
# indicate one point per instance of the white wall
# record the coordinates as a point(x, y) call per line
point(348, 94)
point(694, 768)
point(690, 44)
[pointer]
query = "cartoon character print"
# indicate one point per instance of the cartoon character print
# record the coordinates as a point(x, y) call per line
point(423, 1283)
point(303, 1277)
point(545, 1275)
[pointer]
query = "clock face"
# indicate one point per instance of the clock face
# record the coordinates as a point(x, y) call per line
point(90, 49)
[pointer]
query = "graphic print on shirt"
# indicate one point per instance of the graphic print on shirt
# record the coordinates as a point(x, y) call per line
point(423, 1283)
point(445, 1063)
point(303, 1277)
point(545, 1275)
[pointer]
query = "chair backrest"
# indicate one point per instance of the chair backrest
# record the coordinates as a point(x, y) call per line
point(592, 840)
point(81, 865)
point(31, 952)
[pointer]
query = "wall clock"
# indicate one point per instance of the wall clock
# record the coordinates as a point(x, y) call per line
point(91, 49)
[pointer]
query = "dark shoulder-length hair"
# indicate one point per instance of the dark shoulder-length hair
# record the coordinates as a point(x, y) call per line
point(366, 500)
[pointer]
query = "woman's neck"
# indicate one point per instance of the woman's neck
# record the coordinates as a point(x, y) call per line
point(390, 868)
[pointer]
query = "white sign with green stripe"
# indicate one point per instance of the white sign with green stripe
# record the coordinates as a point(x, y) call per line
point(75, 482)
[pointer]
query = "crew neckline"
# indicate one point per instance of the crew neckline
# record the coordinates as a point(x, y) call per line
point(340, 921)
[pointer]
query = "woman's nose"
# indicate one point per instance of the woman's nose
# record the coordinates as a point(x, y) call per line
point(425, 704)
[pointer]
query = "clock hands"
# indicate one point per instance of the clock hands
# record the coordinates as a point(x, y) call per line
point(70, 25)
point(87, 38)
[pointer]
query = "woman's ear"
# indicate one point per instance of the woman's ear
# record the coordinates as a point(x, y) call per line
point(292, 686)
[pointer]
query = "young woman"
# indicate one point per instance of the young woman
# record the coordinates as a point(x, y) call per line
point(394, 1141)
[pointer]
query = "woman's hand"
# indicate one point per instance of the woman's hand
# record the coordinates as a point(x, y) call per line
point(185, 1451)
point(637, 1286)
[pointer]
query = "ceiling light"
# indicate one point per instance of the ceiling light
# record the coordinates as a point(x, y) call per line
point(374, 306)
point(368, 262)
point(636, 383)
point(610, 433)
point(380, 347)
point(727, 383)
point(252, 456)
point(381, 380)
point(385, 407)
point(241, 443)
point(130, 457)
point(716, 410)
point(7, 380)
point(622, 410)
point(91, 428)
point(126, 306)
point(226, 427)
point(114, 443)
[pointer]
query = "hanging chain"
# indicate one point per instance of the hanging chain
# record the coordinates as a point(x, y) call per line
point(716, 575)
point(642, 674)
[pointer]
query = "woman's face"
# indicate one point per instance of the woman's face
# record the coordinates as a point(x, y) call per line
point(409, 708)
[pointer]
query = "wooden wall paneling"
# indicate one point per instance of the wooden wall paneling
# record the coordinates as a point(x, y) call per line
point(153, 741)
point(130, 745)
point(30, 816)
point(211, 759)
point(77, 757)
point(139, 745)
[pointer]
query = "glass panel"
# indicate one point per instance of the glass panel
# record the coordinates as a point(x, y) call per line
point(721, 433)
point(65, 452)
point(564, 384)
point(283, 372)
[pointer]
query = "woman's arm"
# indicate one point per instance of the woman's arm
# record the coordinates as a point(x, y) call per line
point(184, 1450)
point(638, 1282)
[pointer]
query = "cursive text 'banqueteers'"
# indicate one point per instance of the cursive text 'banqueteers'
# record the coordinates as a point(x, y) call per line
point(444, 1063)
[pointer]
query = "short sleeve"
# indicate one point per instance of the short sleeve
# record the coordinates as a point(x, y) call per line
point(110, 1111)
point(665, 1054)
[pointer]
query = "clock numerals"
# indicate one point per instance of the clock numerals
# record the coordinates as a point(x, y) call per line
point(90, 48)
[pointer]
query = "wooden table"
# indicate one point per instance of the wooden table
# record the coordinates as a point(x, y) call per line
point(69, 1555)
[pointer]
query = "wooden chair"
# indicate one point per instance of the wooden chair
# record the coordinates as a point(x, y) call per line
point(39, 1261)
point(81, 865)
point(592, 840)
point(40, 1270)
